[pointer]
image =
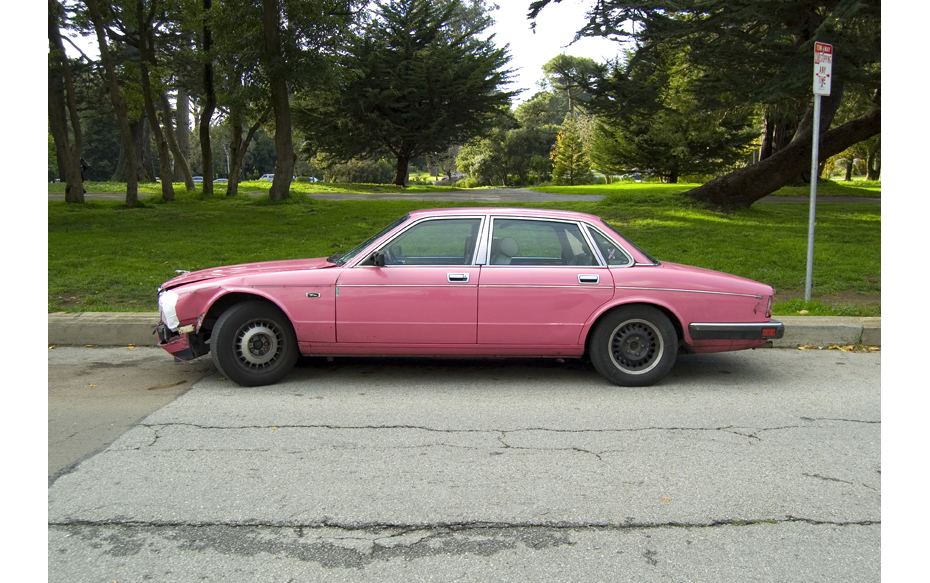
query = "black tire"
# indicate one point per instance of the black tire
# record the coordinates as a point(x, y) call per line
point(254, 344)
point(634, 346)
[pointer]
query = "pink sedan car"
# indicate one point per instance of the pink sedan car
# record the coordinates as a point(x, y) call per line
point(475, 282)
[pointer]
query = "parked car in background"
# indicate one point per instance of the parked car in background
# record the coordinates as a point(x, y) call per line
point(221, 181)
point(477, 282)
point(267, 177)
point(198, 179)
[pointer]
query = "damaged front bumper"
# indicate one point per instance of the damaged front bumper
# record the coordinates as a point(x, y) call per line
point(182, 347)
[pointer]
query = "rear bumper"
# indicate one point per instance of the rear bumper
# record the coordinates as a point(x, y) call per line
point(770, 330)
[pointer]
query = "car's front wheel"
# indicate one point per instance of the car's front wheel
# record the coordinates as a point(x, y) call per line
point(634, 346)
point(254, 344)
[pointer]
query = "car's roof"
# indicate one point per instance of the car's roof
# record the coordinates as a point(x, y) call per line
point(522, 212)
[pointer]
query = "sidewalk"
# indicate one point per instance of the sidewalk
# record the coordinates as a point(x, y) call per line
point(137, 328)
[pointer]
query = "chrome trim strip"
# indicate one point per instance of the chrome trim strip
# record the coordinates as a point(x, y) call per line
point(384, 285)
point(692, 291)
point(574, 286)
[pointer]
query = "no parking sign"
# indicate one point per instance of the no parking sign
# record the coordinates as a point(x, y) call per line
point(823, 68)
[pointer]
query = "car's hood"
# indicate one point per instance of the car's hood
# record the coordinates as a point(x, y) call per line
point(244, 269)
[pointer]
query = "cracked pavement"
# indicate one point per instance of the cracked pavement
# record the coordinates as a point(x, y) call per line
point(754, 466)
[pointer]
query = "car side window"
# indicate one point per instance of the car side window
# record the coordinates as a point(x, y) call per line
point(435, 242)
point(612, 253)
point(530, 242)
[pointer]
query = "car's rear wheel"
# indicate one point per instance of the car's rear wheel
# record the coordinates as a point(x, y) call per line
point(254, 344)
point(634, 346)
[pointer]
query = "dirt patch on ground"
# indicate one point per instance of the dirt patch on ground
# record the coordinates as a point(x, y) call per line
point(67, 300)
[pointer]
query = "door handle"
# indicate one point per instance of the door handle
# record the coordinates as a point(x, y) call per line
point(589, 278)
point(457, 277)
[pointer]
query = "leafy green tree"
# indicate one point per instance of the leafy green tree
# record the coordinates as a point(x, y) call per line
point(418, 78)
point(652, 120)
point(570, 77)
point(761, 52)
point(484, 159)
point(570, 162)
point(544, 109)
point(300, 40)
point(527, 150)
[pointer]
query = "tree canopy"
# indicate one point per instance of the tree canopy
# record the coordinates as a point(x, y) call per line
point(759, 52)
point(417, 79)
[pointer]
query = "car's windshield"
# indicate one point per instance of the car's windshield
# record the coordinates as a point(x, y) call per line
point(344, 257)
point(649, 257)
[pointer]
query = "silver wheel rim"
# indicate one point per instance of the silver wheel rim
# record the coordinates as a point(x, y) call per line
point(258, 344)
point(636, 346)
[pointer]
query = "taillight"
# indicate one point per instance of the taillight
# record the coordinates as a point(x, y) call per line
point(768, 308)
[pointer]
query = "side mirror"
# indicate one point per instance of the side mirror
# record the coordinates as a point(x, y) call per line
point(377, 258)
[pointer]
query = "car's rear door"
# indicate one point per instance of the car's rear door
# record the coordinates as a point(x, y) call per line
point(540, 285)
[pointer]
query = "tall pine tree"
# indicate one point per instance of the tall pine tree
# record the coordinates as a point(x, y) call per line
point(418, 78)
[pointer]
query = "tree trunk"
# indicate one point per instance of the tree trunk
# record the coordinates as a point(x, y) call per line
point(61, 90)
point(206, 116)
point(239, 146)
point(179, 159)
point(119, 106)
point(400, 173)
point(741, 188)
point(142, 159)
point(780, 128)
point(283, 142)
point(183, 126)
point(849, 168)
point(146, 56)
point(874, 163)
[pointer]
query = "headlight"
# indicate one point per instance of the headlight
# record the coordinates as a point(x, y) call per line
point(167, 307)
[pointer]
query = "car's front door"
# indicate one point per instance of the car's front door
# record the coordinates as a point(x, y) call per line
point(425, 293)
point(540, 285)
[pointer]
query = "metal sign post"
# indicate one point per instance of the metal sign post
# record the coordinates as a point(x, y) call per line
point(823, 68)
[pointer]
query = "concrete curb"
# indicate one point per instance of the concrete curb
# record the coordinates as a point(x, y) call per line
point(137, 328)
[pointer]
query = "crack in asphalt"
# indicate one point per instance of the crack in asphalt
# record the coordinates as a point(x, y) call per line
point(402, 528)
point(503, 434)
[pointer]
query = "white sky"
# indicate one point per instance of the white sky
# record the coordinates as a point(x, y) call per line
point(555, 29)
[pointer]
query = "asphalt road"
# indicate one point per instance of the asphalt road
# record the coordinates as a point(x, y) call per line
point(753, 466)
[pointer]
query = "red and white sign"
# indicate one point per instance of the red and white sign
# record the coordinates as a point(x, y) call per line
point(823, 68)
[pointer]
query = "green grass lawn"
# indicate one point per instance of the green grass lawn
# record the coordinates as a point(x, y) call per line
point(106, 258)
